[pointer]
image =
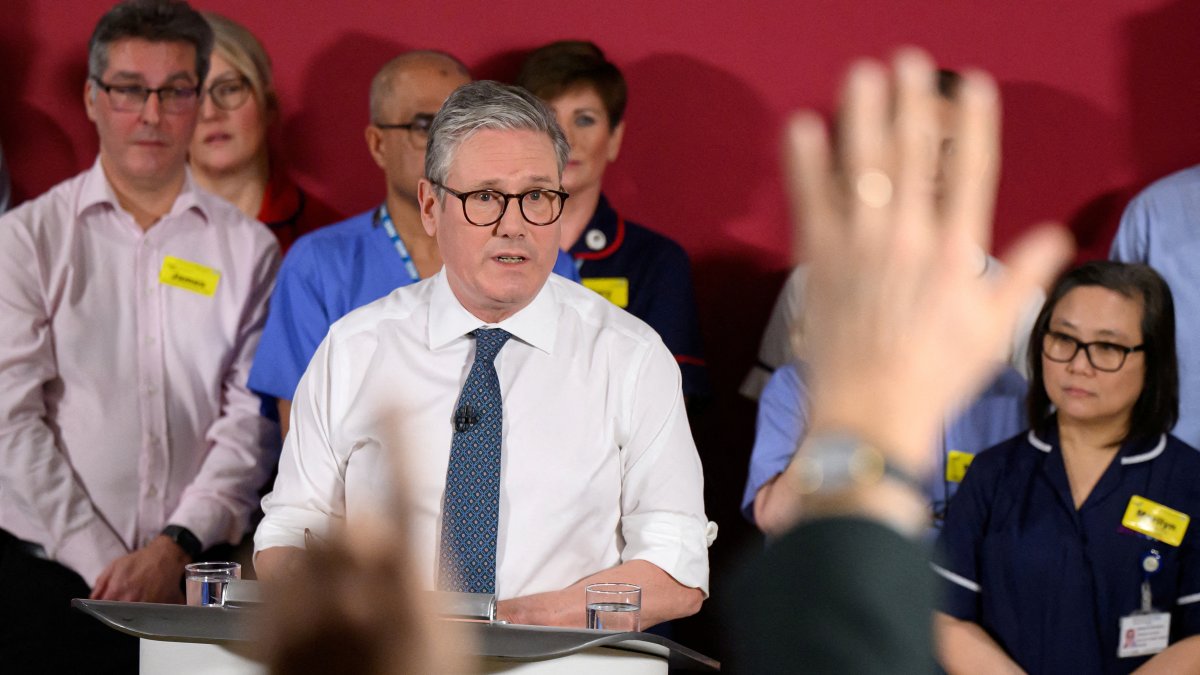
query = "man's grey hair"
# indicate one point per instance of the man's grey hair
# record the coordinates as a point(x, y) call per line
point(153, 21)
point(487, 105)
point(381, 84)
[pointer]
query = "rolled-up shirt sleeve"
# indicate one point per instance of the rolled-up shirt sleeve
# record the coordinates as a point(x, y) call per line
point(782, 424)
point(662, 496)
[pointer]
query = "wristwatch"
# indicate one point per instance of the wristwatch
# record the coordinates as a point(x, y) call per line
point(835, 462)
point(185, 539)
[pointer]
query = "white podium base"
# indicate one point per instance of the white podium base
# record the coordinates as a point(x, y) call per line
point(160, 657)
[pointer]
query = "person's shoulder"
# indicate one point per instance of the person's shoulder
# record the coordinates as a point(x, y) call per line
point(1170, 185)
point(652, 243)
point(1184, 457)
point(40, 211)
point(596, 312)
point(232, 223)
point(330, 242)
point(399, 305)
point(1014, 454)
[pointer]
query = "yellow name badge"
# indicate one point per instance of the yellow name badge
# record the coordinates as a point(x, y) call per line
point(957, 463)
point(189, 276)
point(614, 289)
point(1155, 520)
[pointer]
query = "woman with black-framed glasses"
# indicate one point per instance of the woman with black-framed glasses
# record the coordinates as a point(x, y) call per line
point(1067, 549)
point(229, 154)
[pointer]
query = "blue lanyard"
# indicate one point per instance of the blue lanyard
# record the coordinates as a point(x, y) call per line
point(386, 220)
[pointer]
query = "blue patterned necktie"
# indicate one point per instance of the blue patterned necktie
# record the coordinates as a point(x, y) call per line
point(471, 512)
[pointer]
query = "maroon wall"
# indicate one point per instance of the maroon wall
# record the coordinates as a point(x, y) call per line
point(1101, 97)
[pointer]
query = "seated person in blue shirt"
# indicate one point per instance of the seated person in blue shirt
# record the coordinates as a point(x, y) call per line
point(1066, 549)
point(637, 269)
point(341, 267)
point(769, 502)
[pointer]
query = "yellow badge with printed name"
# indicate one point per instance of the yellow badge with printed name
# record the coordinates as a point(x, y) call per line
point(957, 463)
point(189, 276)
point(1155, 520)
point(614, 289)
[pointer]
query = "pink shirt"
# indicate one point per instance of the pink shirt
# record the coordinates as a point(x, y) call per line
point(123, 399)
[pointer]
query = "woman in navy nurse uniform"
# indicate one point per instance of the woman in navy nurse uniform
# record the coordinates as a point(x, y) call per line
point(1041, 571)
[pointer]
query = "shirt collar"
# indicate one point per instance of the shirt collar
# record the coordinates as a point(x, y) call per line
point(1132, 451)
point(97, 190)
point(536, 324)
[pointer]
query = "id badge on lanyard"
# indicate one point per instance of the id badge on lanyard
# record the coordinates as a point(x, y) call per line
point(1148, 631)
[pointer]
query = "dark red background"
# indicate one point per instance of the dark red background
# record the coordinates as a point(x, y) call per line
point(1100, 98)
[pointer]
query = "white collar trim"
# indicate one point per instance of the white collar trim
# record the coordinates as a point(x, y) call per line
point(1132, 459)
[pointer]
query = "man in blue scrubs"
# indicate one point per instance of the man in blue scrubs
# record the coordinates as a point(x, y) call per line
point(339, 268)
point(1159, 229)
point(996, 415)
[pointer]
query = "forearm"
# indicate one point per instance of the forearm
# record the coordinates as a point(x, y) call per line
point(1180, 658)
point(964, 647)
point(663, 598)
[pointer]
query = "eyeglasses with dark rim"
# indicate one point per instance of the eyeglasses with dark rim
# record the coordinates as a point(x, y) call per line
point(133, 97)
point(482, 208)
point(1104, 356)
point(229, 94)
point(418, 128)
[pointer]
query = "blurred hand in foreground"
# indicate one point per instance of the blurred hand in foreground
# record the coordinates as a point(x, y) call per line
point(900, 325)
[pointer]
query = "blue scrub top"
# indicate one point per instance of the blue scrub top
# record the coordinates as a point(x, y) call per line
point(997, 414)
point(1050, 583)
point(325, 275)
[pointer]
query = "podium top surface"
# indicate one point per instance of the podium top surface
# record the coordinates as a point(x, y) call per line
point(181, 623)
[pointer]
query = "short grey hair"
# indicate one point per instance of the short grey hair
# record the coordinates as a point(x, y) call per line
point(486, 105)
point(154, 21)
point(381, 84)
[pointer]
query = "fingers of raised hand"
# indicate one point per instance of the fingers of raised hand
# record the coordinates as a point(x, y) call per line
point(865, 146)
point(973, 169)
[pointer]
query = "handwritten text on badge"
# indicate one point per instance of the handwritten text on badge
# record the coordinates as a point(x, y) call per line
point(614, 289)
point(957, 463)
point(189, 276)
point(1155, 520)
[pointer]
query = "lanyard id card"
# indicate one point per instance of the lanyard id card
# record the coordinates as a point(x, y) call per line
point(1145, 631)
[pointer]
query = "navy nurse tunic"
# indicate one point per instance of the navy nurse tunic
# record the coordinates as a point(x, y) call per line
point(1050, 583)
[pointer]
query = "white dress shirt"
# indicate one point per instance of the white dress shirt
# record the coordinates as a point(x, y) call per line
point(123, 399)
point(598, 462)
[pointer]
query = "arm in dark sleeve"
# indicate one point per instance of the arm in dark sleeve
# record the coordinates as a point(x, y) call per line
point(835, 595)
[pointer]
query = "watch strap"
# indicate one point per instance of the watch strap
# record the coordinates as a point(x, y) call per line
point(185, 539)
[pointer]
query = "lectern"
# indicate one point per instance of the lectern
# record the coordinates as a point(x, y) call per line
point(182, 640)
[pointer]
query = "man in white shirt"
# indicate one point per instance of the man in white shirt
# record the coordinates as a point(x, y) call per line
point(597, 474)
point(133, 302)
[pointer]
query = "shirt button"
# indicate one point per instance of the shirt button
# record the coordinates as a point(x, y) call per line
point(151, 491)
point(151, 390)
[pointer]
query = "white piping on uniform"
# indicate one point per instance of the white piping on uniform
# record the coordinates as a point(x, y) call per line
point(956, 579)
point(1147, 456)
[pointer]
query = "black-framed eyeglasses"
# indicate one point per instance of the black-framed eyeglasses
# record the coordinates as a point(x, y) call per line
point(1105, 356)
point(482, 208)
point(418, 128)
point(133, 97)
point(231, 93)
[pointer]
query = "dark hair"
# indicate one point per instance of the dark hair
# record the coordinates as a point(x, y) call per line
point(560, 67)
point(155, 21)
point(1157, 407)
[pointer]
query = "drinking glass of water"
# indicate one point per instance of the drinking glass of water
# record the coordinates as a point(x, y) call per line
point(614, 607)
point(206, 582)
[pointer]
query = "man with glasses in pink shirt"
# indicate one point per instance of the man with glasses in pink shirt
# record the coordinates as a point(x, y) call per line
point(133, 304)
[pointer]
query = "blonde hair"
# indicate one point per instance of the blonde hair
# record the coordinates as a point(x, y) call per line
point(237, 45)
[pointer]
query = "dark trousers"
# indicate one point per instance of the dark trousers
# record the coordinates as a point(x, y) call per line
point(39, 630)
